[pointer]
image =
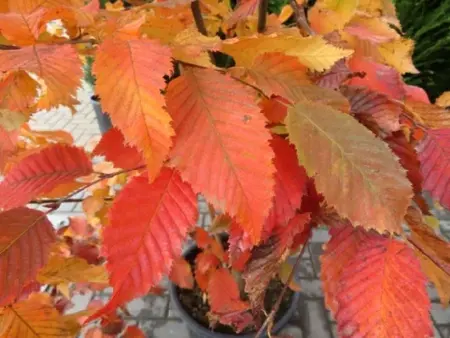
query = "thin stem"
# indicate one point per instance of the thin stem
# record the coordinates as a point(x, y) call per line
point(196, 12)
point(269, 320)
point(262, 15)
point(57, 200)
point(300, 17)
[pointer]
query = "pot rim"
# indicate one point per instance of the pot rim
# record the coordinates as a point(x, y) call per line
point(191, 322)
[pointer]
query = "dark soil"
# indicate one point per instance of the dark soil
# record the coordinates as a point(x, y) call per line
point(192, 302)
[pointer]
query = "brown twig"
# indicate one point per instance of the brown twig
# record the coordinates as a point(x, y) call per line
point(300, 17)
point(262, 15)
point(271, 316)
point(70, 200)
point(196, 12)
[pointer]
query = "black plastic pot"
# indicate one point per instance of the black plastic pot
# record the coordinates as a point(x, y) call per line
point(103, 120)
point(197, 330)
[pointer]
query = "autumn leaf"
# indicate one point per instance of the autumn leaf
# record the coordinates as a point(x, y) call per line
point(237, 150)
point(274, 109)
point(28, 6)
point(134, 332)
point(329, 15)
point(58, 66)
point(341, 248)
point(385, 276)
point(35, 317)
point(24, 248)
point(313, 52)
point(433, 253)
point(142, 240)
point(8, 141)
point(267, 258)
point(443, 100)
point(408, 158)
point(59, 270)
point(333, 77)
point(112, 146)
point(351, 152)
point(429, 115)
point(223, 294)
point(373, 106)
point(181, 274)
point(398, 54)
point(290, 185)
point(373, 29)
point(434, 156)
point(274, 74)
point(129, 80)
point(20, 29)
point(41, 172)
point(377, 77)
point(242, 11)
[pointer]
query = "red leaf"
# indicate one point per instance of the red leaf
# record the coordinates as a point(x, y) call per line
point(239, 244)
point(206, 261)
point(378, 77)
point(26, 237)
point(41, 172)
point(112, 146)
point(434, 157)
point(275, 109)
point(181, 274)
point(143, 239)
point(382, 292)
point(222, 147)
point(408, 158)
point(290, 185)
point(224, 295)
point(134, 332)
point(377, 107)
point(342, 247)
point(416, 94)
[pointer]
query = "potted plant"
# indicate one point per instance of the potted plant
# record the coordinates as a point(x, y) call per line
point(281, 127)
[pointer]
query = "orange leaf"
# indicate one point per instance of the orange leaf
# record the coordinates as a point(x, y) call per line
point(17, 92)
point(20, 29)
point(223, 292)
point(112, 146)
point(350, 153)
point(243, 10)
point(35, 317)
point(238, 178)
point(142, 240)
point(129, 80)
point(24, 248)
point(92, 204)
point(434, 157)
point(382, 283)
point(274, 74)
point(42, 172)
point(274, 109)
point(428, 244)
point(8, 141)
point(205, 262)
point(58, 66)
point(429, 115)
point(443, 100)
point(181, 274)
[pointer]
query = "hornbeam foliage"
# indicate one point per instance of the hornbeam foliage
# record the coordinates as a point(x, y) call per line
point(280, 127)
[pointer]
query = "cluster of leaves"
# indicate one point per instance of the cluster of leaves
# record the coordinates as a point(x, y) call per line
point(313, 125)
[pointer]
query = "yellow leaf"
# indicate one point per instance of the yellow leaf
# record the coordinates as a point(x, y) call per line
point(443, 100)
point(432, 221)
point(162, 28)
point(313, 52)
point(329, 15)
point(35, 317)
point(64, 289)
point(398, 54)
point(285, 13)
point(71, 269)
point(335, 149)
